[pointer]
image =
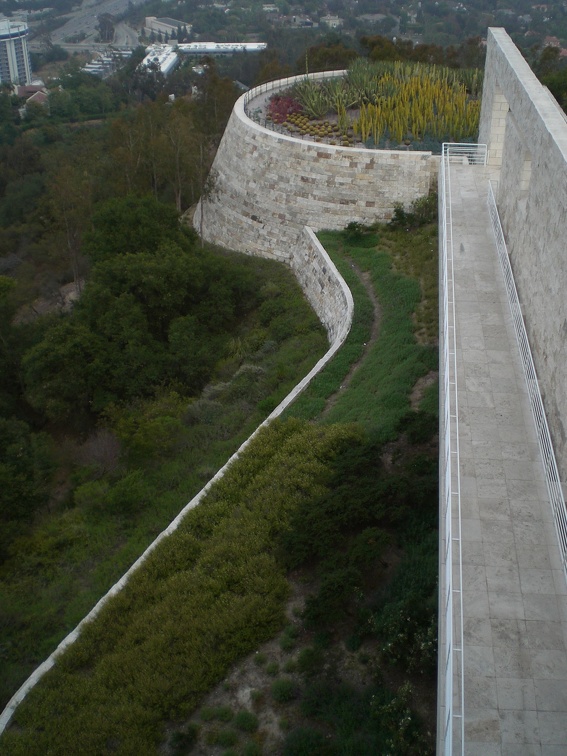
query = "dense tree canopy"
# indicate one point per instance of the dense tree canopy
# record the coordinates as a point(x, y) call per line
point(330, 55)
point(155, 311)
point(129, 226)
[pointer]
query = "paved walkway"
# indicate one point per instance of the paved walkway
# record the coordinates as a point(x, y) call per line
point(514, 591)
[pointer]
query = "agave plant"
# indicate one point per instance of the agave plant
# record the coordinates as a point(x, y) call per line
point(362, 81)
point(313, 97)
point(405, 101)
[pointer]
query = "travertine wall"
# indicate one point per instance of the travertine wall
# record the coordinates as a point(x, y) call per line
point(323, 286)
point(526, 135)
point(267, 186)
point(266, 189)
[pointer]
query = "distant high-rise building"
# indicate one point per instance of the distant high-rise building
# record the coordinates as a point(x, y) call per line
point(14, 57)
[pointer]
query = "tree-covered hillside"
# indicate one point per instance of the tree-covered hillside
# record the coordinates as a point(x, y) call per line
point(133, 358)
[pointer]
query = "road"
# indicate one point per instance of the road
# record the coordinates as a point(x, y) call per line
point(84, 21)
point(125, 36)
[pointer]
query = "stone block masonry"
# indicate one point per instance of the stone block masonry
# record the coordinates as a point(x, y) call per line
point(526, 134)
point(266, 188)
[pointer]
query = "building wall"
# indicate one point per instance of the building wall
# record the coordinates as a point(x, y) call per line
point(265, 186)
point(526, 135)
point(165, 26)
point(14, 56)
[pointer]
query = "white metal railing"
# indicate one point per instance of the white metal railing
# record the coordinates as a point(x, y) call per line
point(289, 81)
point(551, 472)
point(465, 153)
point(451, 684)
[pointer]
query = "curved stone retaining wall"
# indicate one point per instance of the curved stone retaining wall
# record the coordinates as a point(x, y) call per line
point(267, 186)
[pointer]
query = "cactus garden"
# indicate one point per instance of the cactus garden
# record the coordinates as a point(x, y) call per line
point(383, 105)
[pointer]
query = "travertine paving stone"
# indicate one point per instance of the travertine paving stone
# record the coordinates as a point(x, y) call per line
point(514, 597)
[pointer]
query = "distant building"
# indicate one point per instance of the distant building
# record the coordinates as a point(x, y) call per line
point(220, 48)
point(32, 94)
point(27, 90)
point(162, 56)
point(38, 98)
point(105, 65)
point(302, 21)
point(333, 22)
point(372, 18)
point(164, 26)
point(15, 64)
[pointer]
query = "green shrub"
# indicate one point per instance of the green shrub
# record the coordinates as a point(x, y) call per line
point(290, 666)
point(422, 212)
point(208, 714)
point(223, 713)
point(406, 620)
point(251, 749)
point(272, 668)
point(410, 635)
point(353, 642)
point(316, 697)
point(306, 741)
point(288, 639)
point(246, 721)
point(181, 742)
point(366, 548)
point(224, 738)
point(328, 604)
point(354, 232)
point(284, 690)
point(400, 723)
point(419, 426)
point(310, 661)
point(358, 235)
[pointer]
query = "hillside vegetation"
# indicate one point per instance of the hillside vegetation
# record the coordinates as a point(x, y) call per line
point(348, 509)
point(172, 356)
point(116, 410)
